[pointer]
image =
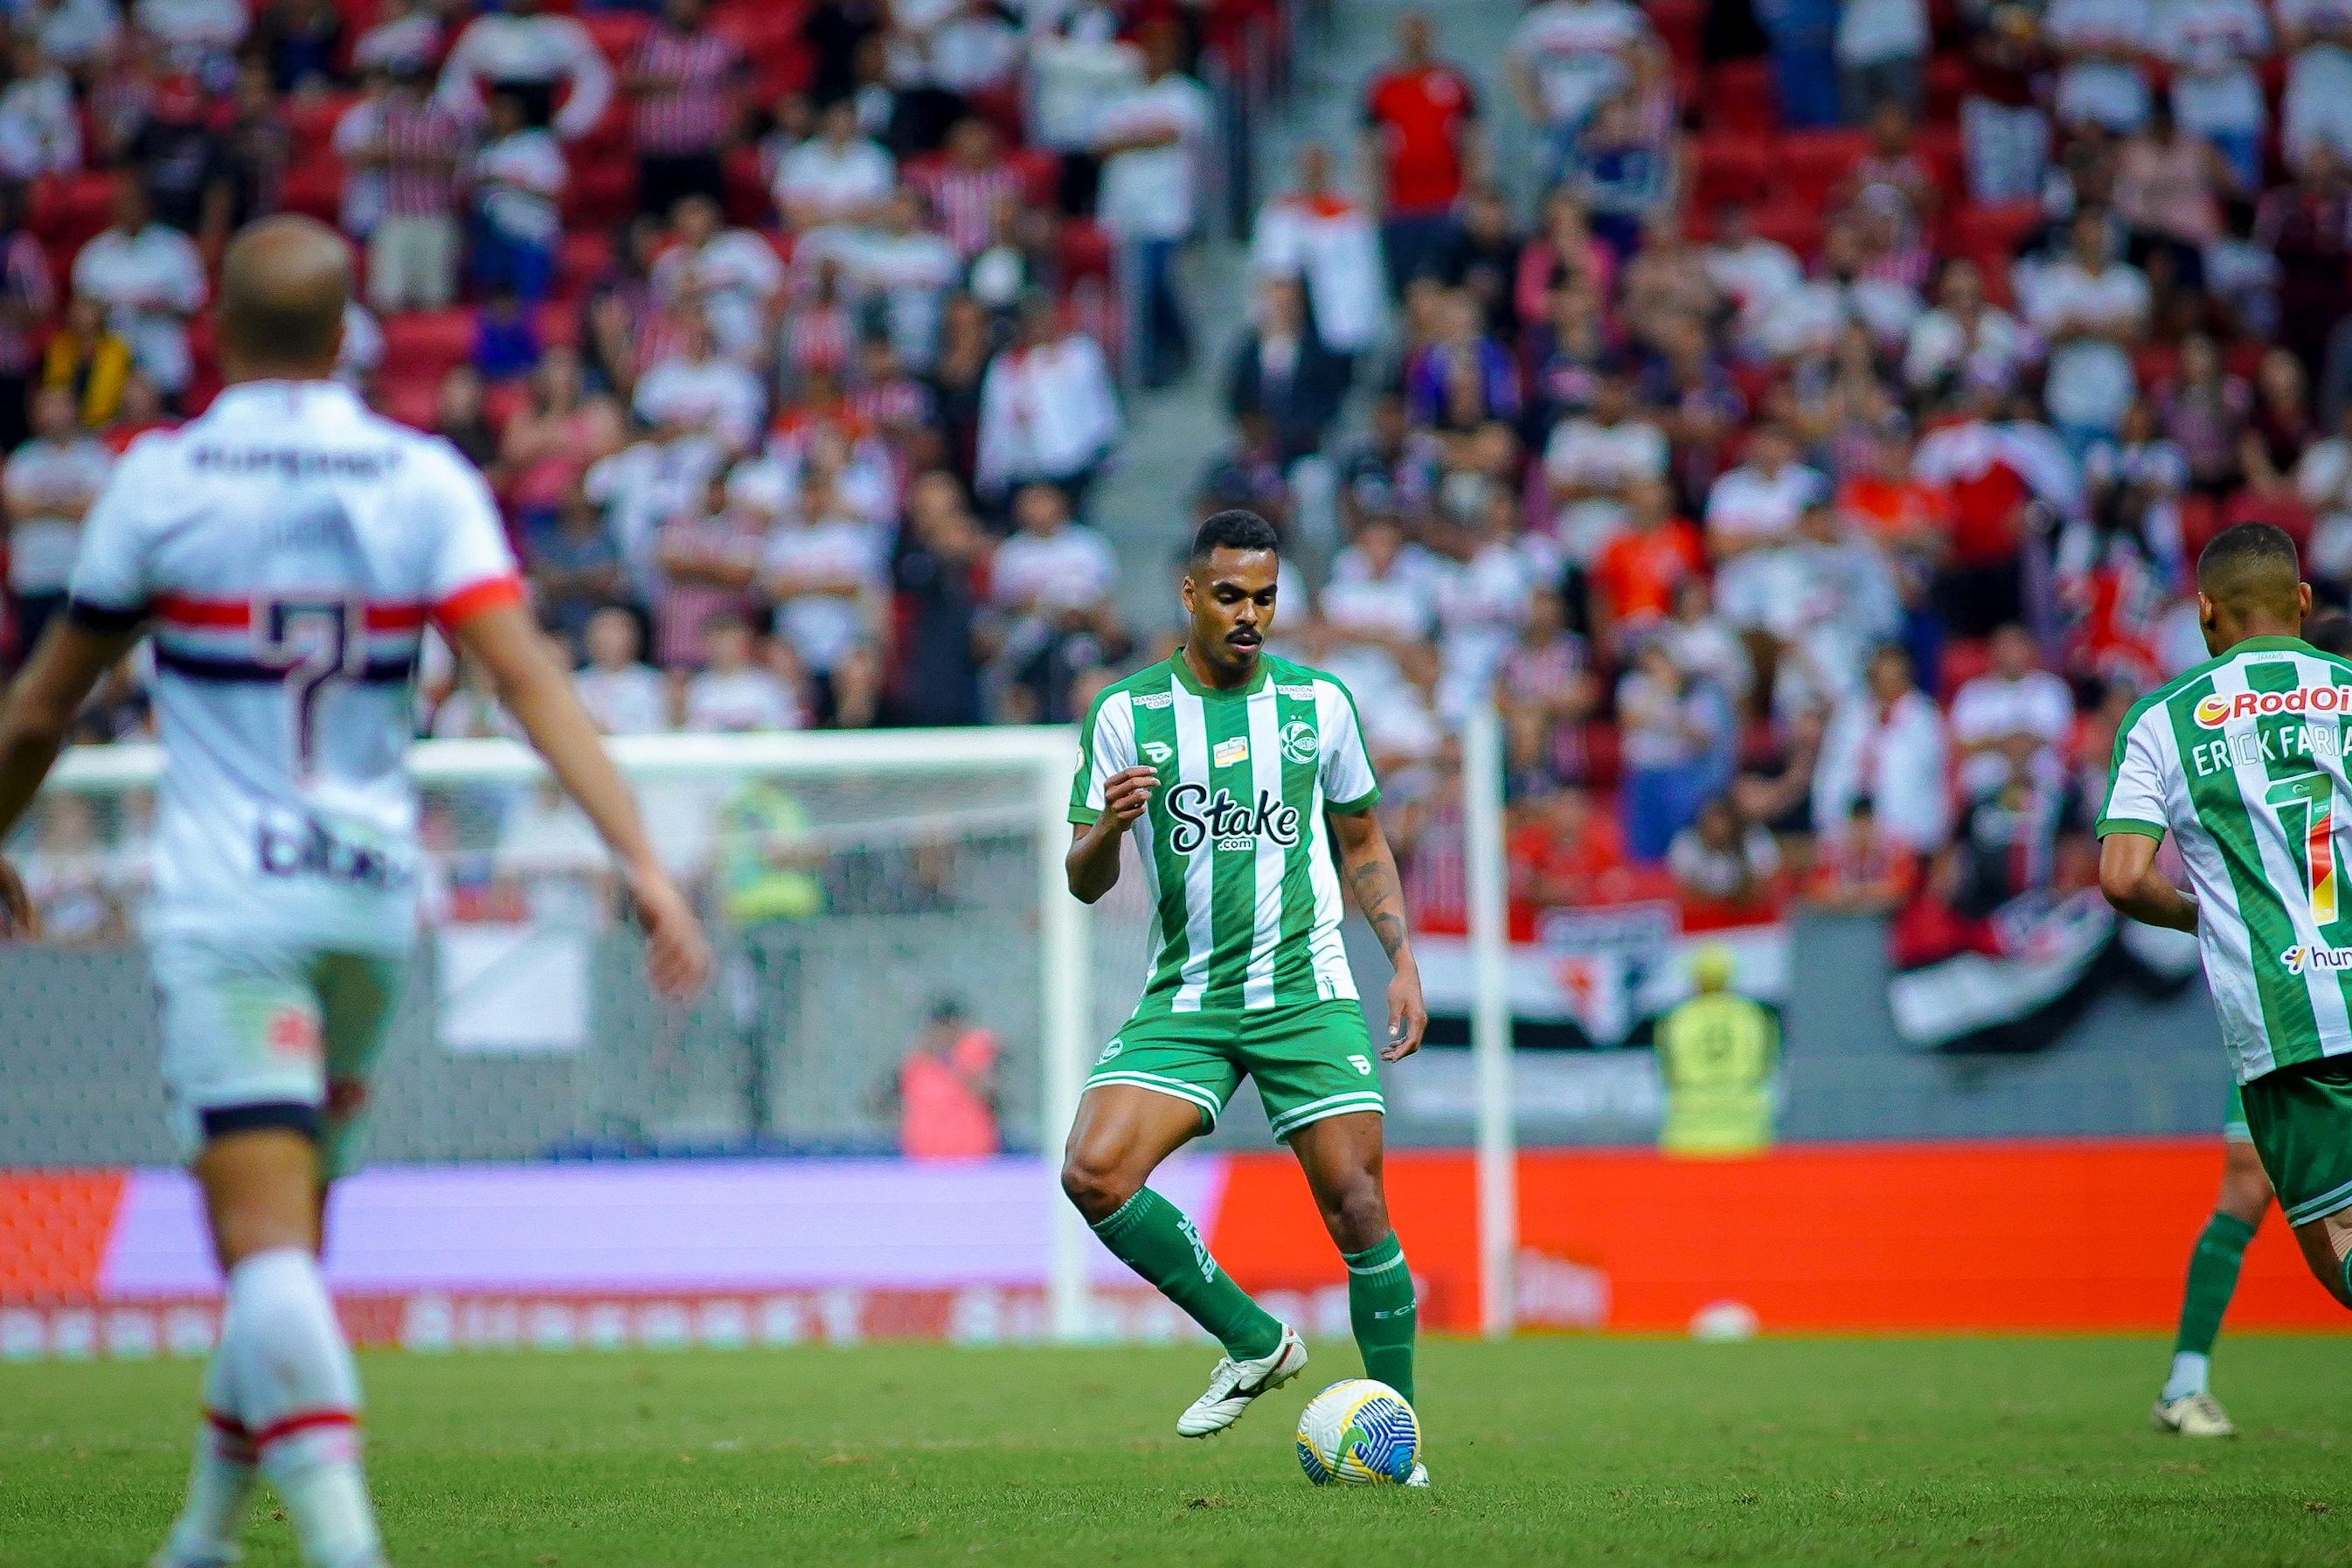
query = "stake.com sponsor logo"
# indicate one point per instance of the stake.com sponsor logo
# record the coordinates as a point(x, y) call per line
point(2213, 709)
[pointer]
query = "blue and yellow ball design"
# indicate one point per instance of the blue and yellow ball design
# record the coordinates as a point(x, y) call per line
point(1358, 1432)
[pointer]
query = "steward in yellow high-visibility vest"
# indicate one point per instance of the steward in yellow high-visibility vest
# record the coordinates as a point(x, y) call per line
point(1716, 1052)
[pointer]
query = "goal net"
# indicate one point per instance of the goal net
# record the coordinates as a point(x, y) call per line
point(899, 970)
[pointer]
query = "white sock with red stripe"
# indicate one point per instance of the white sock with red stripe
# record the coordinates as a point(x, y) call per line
point(220, 1482)
point(298, 1396)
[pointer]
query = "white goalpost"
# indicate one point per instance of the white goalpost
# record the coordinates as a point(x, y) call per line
point(910, 865)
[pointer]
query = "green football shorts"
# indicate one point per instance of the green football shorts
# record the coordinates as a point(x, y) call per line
point(2301, 1117)
point(1310, 1060)
point(2233, 1119)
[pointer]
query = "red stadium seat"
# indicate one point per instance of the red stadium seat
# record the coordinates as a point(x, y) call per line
point(314, 186)
point(1740, 98)
point(410, 401)
point(618, 33)
point(1730, 167)
point(583, 254)
point(1808, 166)
point(600, 194)
point(426, 343)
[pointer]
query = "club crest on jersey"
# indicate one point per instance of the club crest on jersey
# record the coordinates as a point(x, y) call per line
point(2213, 709)
point(1299, 742)
point(1201, 817)
point(1157, 753)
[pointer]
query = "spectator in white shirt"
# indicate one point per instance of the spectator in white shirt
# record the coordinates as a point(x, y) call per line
point(2317, 108)
point(1594, 461)
point(1887, 745)
point(1964, 340)
point(2212, 46)
point(1882, 56)
point(1330, 244)
point(39, 131)
point(2092, 309)
point(150, 279)
point(49, 484)
point(734, 692)
point(74, 33)
point(197, 34)
point(732, 275)
point(1054, 583)
point(695, 389)
point(825, 569)
point(1047, 409)
point(2322, 479)
point(910, 268)
point(2012, 720)
point(623, 694)
point(1755, 274)
point(1751, 521)
point(836, 177)
point(2102, 43)
point(520, 49)
point(1564, 57)
point(1152, 142)
point(518, 178)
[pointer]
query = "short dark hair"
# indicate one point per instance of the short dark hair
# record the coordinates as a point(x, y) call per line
point(2250, 564)
point(1234, 528)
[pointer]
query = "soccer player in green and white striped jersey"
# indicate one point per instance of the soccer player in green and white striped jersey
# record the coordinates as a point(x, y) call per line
point(2186, 1403)
point(2242, 760)
point(1242, 770)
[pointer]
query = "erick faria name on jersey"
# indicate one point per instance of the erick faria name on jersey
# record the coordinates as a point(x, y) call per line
point(2283, 744)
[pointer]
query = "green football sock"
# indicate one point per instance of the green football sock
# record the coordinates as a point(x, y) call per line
point(1379, 1307)
point(1152, 1236)
point(2212, 1280)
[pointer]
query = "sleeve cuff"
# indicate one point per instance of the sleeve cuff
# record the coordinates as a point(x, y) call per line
point(489, 593)
point(104, 619)
point(2108, 824)
point(1350, 808)
point(1085, 816)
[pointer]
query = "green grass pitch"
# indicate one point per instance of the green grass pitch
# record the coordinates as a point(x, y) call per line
point(1548, 1450)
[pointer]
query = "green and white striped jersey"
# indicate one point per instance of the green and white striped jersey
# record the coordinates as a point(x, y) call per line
point(2242, 760)
point(1237, 865)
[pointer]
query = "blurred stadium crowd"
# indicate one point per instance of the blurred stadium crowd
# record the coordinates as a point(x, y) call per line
point(1812, 466)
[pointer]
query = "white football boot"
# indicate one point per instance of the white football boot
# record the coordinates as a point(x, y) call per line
point(2193, 1416)
point(1234, 1383)
point(1420, 1476)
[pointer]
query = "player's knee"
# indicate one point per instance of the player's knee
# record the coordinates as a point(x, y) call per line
point(261, 1192)
point(2245, 1195)
point(1357, 1212)
point(1096, 1183)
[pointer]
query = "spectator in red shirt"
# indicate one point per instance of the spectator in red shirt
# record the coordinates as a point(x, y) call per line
point(1421, 133)
point(1566, 852)
point(1634, 577)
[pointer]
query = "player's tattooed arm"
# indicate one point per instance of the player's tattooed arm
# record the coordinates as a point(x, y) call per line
point(1381, 897)
point(1371, 874)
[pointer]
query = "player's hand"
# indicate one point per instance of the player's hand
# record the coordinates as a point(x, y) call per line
point(19, 921)
point(1408, 1017)
point(678, 955)
point(1127, 793)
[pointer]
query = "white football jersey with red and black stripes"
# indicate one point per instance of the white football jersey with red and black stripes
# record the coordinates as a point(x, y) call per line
point(285, 551)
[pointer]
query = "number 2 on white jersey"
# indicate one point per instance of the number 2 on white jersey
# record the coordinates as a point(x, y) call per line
point(2311, 798)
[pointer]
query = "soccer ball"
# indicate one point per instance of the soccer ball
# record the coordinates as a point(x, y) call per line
point(1358, 1432)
